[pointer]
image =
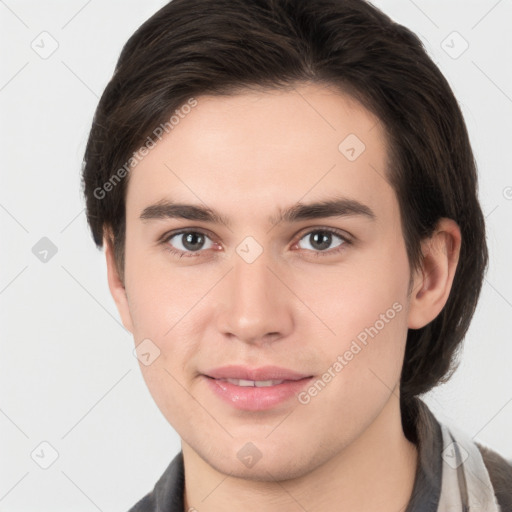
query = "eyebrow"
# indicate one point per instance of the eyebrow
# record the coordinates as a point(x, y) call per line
point(337, 207)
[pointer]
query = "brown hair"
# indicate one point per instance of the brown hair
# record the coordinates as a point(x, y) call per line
point(194, 47)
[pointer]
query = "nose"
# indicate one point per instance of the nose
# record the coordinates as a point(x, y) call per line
point(255, 306)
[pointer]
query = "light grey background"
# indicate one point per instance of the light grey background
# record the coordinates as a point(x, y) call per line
point(67, 373)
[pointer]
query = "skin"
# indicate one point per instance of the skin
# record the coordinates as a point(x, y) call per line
point(246, 156)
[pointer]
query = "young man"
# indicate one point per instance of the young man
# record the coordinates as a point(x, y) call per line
point(287, 197)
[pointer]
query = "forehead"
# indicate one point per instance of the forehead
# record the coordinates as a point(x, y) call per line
point(258, 151)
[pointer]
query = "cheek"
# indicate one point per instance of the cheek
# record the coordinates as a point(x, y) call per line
point(159, 295)
point(365, 309)
point(362, 362)
point(354, 295)
point(164, 306)
point(165, 316)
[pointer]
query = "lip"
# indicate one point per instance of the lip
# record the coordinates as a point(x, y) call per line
point(251, 398)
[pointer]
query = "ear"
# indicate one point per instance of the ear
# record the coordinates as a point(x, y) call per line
point(117, 287)
point(432, 284)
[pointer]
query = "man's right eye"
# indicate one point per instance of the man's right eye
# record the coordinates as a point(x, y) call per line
point(190, 243)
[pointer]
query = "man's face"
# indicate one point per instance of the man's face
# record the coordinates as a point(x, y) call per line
point(324, 297)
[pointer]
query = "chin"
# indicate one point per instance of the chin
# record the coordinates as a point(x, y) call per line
point(268, 464)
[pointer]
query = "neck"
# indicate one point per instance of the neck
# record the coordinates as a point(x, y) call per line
point(375, 473)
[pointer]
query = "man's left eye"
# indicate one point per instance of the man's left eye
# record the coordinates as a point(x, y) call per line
point(321, 239)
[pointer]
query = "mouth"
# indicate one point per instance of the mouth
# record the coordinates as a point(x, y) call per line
point(257, 389)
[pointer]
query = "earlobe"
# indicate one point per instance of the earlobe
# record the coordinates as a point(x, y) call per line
point(433, 283)
point(116, 286)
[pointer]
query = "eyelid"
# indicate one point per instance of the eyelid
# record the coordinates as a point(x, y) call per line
point(337, 231)
point(169, 234)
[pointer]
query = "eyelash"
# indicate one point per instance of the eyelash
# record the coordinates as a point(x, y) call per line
point(175, 252)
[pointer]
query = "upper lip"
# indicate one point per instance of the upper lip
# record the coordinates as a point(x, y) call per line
point(262, 373)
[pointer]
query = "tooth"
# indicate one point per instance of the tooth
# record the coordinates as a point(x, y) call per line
point(240, 382)
point(264, 383)
point(252, 383)
point(243, 382)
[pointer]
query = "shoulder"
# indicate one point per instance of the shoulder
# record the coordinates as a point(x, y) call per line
point(146, 504)
point(167, 494)
point(500, 473)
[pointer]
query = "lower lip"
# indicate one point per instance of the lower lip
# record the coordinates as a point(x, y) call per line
point(251, 398)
